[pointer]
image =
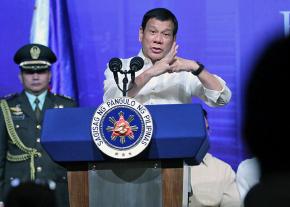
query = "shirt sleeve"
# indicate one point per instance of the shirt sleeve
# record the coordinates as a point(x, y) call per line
point(211, 97)
point(231, 196)
point(248, 175)
point(218, 98)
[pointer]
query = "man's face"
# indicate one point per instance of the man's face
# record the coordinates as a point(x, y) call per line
point(157, 38)
point(35, 82)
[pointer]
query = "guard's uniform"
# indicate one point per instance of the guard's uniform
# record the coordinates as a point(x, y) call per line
point(22, 157)
point(16, 163)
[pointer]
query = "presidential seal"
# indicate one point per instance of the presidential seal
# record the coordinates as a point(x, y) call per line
point(122, 128)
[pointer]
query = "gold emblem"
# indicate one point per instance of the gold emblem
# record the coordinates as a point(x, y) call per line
point(122, 128)
point(34, 52)
point(16, 110)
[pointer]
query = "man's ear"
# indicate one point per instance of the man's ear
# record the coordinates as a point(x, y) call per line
point(20, 77)
point(49, 76)
point(141, 33)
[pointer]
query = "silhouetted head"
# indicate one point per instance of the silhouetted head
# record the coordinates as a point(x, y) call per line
point(30, 194)
point(266, 106)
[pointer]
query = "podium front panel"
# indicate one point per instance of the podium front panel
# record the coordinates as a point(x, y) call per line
point(126, 184)
point(179, 132)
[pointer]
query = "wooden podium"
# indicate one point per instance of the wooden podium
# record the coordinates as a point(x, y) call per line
point(157, 177)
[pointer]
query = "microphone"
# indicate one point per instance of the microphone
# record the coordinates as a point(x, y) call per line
point(136, 64)
point(115, 65)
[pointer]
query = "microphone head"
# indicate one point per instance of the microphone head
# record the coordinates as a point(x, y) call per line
point(115, 64)
point(136, 63)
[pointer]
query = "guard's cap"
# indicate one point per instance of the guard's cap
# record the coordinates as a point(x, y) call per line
point(34, 57)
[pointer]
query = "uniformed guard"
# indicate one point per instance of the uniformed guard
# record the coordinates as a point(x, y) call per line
point(22, 157)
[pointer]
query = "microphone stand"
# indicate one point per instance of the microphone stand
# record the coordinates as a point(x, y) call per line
point(125, 82)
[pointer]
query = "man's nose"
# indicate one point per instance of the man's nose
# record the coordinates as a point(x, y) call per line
point(35, 75)
point(158, 38)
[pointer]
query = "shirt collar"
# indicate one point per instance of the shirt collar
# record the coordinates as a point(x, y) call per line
point(32, 97)
point(147, 61)
point(206, 159)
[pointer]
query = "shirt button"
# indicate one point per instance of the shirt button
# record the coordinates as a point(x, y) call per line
point(38, 140)
point(52, 185)
point(39, 169)
point(14, 182)
point(38, 126)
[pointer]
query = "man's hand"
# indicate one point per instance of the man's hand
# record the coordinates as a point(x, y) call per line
point(181, 64)
point(165, 64)
point(207, 79)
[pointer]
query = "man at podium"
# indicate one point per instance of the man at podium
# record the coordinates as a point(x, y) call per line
point(165, 77)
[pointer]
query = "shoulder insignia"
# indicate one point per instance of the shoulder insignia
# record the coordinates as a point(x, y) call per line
point(63, 96)
point(58, 106)
point(9, 96)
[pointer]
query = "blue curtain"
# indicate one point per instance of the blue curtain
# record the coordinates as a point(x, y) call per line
point(60, 41)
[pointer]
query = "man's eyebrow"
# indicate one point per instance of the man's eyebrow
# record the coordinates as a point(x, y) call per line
point(154, 27)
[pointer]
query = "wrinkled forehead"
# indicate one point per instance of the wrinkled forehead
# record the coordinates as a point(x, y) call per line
point(166, 25)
